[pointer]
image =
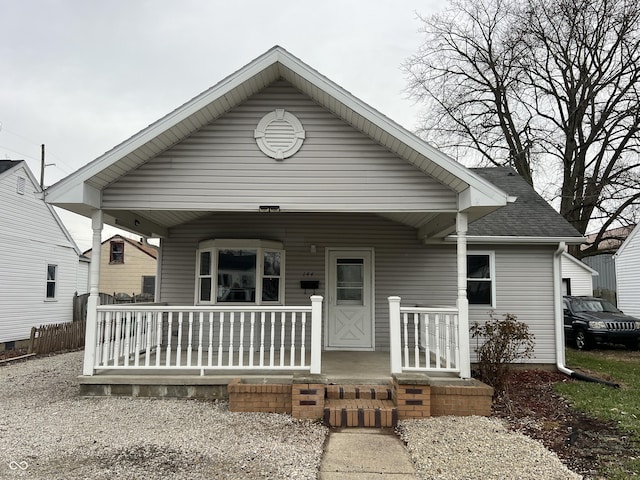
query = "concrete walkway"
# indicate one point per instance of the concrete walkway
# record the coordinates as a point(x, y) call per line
point(364, 453)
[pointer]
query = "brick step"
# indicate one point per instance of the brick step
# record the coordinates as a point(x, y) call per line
point(360, 413)
point(367, 392)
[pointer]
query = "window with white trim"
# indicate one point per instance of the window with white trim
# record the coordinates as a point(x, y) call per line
point(240, 271)
point(481, 278)
point(52, 279)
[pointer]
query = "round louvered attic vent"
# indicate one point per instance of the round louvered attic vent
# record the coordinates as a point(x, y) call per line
point(279, 134)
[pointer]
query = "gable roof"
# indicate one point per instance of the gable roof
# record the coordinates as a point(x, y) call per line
point(150, 250)
point(7, 166)
point(529, 218)
point(80, 192)
point(629, 239)
point(580, 264)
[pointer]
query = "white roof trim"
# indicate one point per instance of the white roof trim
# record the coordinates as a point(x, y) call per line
point(517, 240)
point(627, 240)
point(580, 264)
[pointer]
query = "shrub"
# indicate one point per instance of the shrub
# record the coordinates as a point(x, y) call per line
point(505, 340)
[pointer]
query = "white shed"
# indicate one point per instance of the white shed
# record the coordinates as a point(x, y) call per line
point(627, 260)
point(577, 277)
point(40, 265)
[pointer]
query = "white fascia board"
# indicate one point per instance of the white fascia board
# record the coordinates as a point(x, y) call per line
point(626, 242)
point(504, 240)
point(76, 193)
point(472, 197)
point(580, 264)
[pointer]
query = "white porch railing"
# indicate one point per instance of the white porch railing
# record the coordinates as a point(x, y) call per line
point(209, 338)
point(423, 339)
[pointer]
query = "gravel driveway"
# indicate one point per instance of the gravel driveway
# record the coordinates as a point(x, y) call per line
point(48, 432)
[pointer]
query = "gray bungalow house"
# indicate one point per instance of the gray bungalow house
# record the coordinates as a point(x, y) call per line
point(298, 225)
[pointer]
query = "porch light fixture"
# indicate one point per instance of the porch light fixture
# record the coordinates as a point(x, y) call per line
point(269, 208)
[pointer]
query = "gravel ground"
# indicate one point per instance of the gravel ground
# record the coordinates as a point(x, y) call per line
point(458, 448)
point(48, 432)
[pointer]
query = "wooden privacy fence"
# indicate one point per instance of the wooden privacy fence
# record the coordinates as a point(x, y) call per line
point(57, 337)
point(80, 305)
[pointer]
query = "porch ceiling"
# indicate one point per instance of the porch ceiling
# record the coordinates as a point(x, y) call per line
point(80, 192)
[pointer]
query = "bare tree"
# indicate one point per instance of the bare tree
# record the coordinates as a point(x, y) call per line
point(550, 87)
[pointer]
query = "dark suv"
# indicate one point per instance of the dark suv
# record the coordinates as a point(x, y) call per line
point(591, 320)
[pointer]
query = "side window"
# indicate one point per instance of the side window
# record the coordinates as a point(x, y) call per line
point(116, 252)
point(52, 279)
point(480, 278)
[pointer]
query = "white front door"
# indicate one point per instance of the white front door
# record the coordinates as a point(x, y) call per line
point(350, 318)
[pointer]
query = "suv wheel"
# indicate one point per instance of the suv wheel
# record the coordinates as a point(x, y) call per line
point(582, 340)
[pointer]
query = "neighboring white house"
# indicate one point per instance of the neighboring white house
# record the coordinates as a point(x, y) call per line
point(627, 260)
point(577, 278)
point(40, 265)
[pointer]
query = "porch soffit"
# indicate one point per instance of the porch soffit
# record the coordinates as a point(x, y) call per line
point(233, 90)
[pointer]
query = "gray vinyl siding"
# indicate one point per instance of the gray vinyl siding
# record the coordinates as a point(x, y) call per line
point(220, 168)
point(581, 279)
point(628, 275)
point(30, 239)
point(423, 275)
point(524, 287)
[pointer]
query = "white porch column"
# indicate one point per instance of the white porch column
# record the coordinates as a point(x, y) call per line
point(94, 294)
point(395, 345)
point(462, 301)
point(316, 334)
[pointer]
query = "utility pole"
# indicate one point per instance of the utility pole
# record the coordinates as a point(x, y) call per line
point(42, 169)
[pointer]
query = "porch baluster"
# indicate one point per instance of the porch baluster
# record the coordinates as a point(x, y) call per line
point(436, 318)
point(190, 339)
point(272, 339)
point(251, 336)
point(179, 339)
point(200, 328)
point(149, 338)
point(282, 322)
point(127, 338)
point(169, 337)
point(262, 320)
point(99, 337)
point(416, 339)
point(220, 337)
point(405, 321)
point(136, 360)
point(107, 339)
point(159, 321)
point(292, 359)
point(447, 340)
point(118, 335)
point(231, 321)
point(210, 352)
point(303, 330)
point(427, 343)
point(241, 347)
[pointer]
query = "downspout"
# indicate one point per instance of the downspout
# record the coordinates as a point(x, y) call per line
point(557, 302)
point(559, 315)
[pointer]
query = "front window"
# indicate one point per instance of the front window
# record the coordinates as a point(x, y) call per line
point(52, 278)
point(240, 271)
point(480, 279)
point(116, 252)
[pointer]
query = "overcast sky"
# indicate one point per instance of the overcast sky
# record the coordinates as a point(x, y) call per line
point(81, 76)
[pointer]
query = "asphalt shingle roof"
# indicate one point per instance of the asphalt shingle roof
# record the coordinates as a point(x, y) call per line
point(7, 164)
point(529, 216)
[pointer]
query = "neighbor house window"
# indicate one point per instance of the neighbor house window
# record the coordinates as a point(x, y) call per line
point(480, 278)
point(240, 271)
point(149, 284)
point(52, 279)
point(116, 252)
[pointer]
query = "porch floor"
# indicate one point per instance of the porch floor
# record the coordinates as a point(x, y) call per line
point(337, 367)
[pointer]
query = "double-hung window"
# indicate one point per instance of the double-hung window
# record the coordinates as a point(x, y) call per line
point(52, 279)
point(116, 252)
point(240, 271)
point(481, 278)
